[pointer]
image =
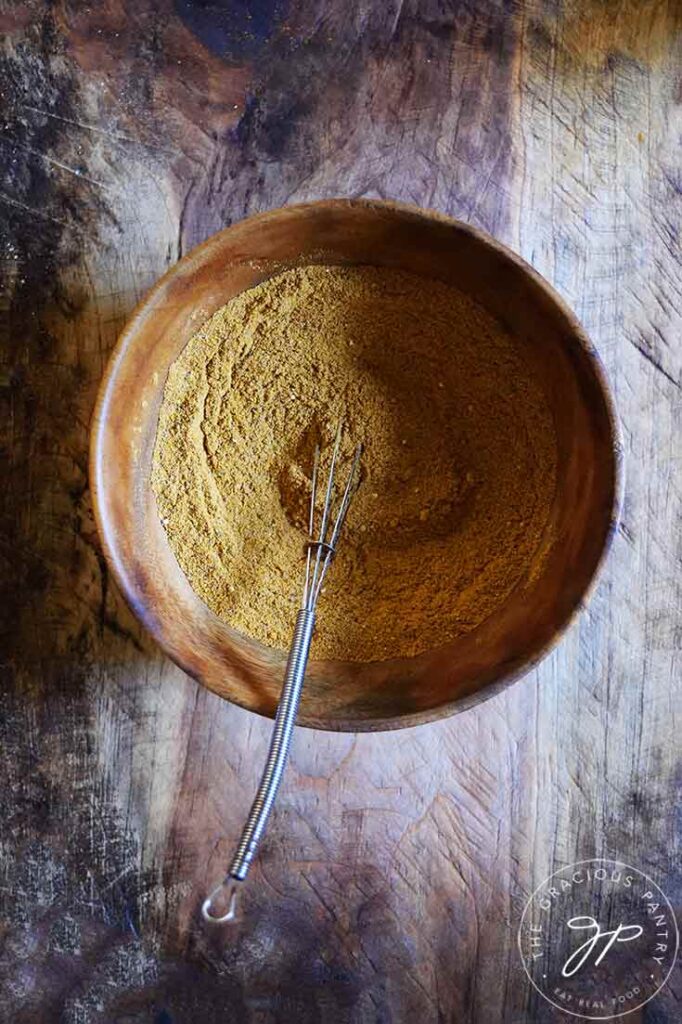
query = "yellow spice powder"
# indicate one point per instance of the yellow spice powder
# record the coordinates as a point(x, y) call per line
point(458, 469)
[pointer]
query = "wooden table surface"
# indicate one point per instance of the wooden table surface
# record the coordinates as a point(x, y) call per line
point(397, 866)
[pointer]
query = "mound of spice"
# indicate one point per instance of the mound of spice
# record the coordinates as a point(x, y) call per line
point(458, 469)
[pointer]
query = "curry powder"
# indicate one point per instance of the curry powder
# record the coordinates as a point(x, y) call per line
point(458, 470)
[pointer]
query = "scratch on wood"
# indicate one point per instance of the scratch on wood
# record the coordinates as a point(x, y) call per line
point(57, 163)
point(116, 136)
point(654, 362)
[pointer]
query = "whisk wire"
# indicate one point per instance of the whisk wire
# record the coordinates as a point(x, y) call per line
point(321, 541)
point(311, 525)
point(351, 483)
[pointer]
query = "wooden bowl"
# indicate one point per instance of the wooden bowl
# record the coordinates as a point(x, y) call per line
point(338, 695)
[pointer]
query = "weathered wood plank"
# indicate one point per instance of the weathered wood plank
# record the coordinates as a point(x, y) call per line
point(396, 869)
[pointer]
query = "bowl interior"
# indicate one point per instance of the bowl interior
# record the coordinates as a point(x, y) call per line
point(349, 695)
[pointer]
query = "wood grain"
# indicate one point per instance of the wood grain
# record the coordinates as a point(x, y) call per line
point(397, 866)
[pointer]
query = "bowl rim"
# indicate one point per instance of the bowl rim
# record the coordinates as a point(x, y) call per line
point(579, 337)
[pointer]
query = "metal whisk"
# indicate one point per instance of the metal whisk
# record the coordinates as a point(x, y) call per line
point(320, 551)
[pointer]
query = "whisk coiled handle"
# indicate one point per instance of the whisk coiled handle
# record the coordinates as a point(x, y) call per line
point(274, 766)
point(279, 745)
